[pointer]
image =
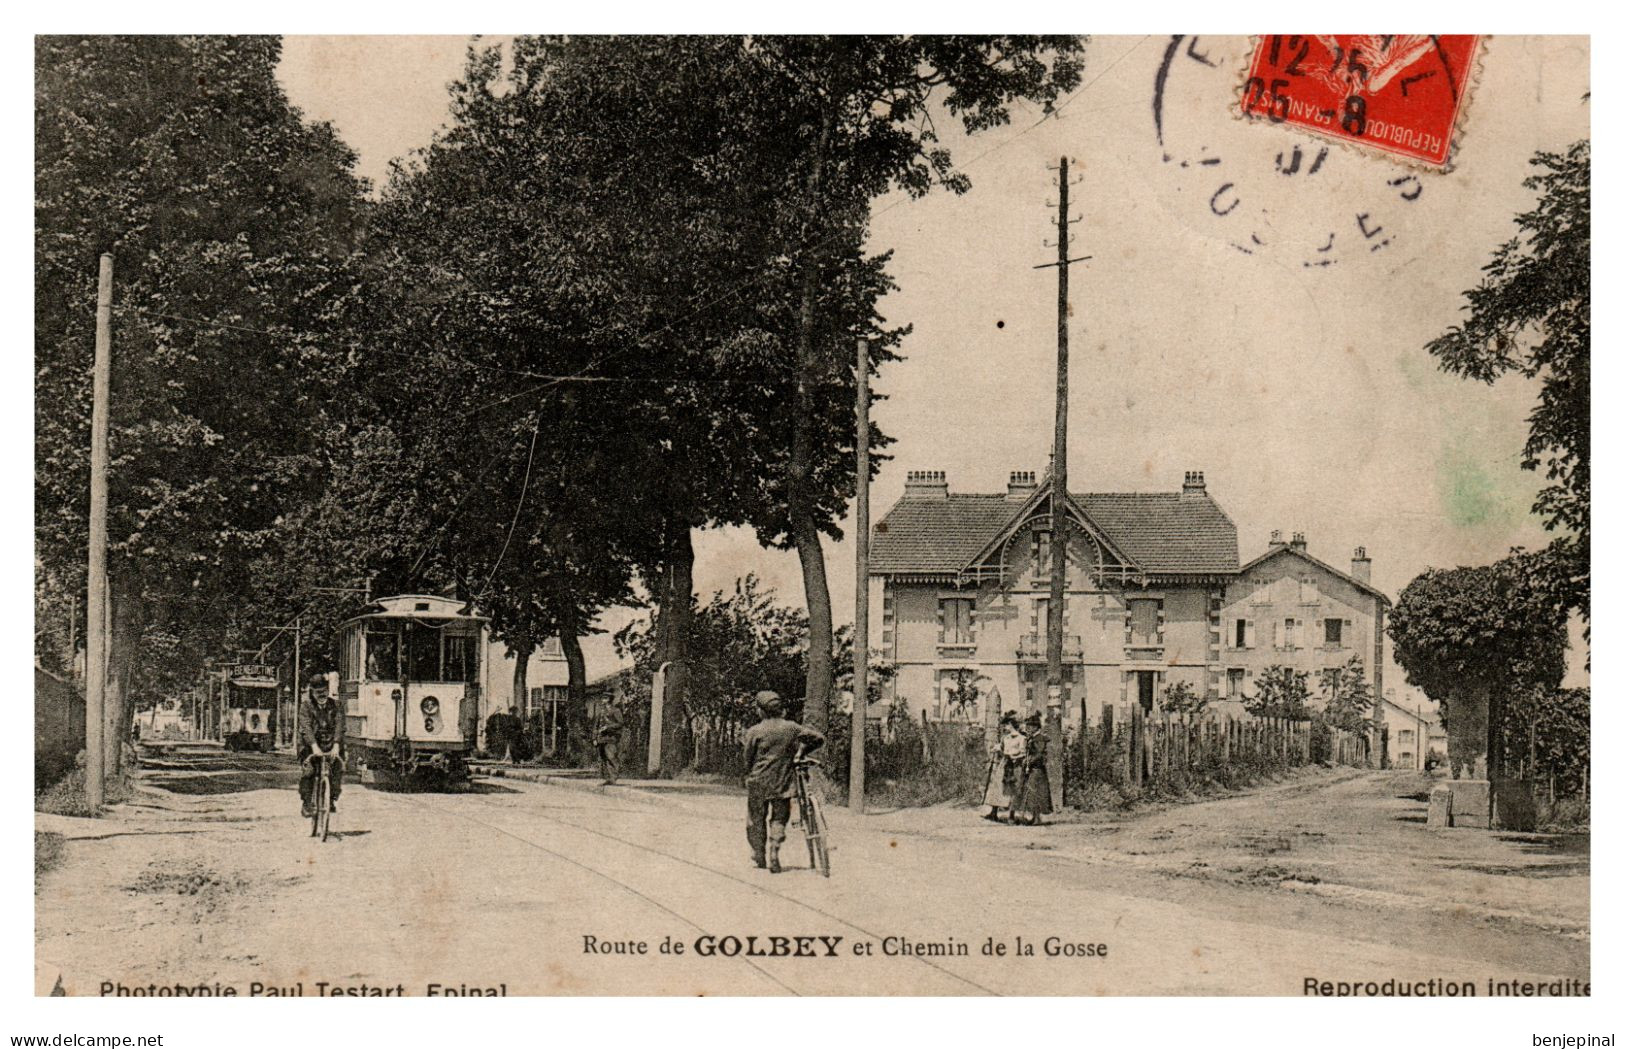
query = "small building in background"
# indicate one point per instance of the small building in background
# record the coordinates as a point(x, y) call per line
point(547, 680)
point(1286, 607)
point(1411, 730)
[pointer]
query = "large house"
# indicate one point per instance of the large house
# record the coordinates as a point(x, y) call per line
point(1154, 592)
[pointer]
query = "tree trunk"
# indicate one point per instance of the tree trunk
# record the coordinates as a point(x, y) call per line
point(123, 630)
point(820, 627)
point(521, 676)
point(803, 524)
point(676, 620)
point(576, 704)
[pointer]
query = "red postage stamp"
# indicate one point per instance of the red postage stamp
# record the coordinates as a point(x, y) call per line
point(1402, 95)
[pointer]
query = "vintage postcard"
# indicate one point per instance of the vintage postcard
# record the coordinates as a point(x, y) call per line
point(783, 515)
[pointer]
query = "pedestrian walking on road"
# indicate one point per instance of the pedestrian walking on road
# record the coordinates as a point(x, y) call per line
point(772, 747)
point(1032, 794)
point(608, 739)
point(1003, 766)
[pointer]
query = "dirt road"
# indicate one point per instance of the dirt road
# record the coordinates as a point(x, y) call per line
point(549, 888)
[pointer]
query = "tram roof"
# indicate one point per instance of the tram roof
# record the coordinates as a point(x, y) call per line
point(415, 606)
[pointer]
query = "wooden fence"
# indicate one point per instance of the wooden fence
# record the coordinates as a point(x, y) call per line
point(1141, 751)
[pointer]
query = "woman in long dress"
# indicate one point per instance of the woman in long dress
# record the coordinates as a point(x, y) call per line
point(1003, 764)
point(1032, 795)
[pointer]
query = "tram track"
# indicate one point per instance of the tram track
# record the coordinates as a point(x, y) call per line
point(493, 821)
point(713, 872)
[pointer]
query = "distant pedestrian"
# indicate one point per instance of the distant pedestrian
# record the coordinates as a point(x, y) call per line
point(1003, 765)
point(772, 747)
point(1032, 793)
point(608, 738)
point(496, 735)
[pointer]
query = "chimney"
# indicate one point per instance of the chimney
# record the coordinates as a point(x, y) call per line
point(1299, 543)
point(1360, 567)
point(1194, 484)
point(926, 484)
point(1276, 542)
point(1023, 483)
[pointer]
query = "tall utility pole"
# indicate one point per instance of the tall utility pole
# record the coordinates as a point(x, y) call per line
point(1054, 642)
point(860, 620)
point(96, 620)
point(298, 682)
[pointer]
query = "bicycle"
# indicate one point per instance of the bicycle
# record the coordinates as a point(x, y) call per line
point(810, 806)
point(322, 802)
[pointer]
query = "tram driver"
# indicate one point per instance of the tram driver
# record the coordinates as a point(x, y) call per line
point(321, 724)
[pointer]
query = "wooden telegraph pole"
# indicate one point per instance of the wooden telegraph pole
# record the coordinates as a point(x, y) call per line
point(298, 680)
point(860, 620)
point(1054, 642)
point(96, 620)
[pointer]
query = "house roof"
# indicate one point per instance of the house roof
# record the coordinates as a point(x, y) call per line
point(1162, 532)
point(1318, 563)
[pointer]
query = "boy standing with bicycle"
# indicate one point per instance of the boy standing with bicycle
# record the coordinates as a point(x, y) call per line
point(321, 726)
point(772, 747)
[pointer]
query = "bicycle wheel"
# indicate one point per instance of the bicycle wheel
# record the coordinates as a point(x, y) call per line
point(817, 835)
point(324, 805)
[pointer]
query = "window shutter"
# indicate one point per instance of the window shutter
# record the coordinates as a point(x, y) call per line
point(941, 624)
point(1275, 633)
point(1162, 622)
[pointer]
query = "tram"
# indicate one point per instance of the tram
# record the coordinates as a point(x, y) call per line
point(409, 679)
point(249, 706)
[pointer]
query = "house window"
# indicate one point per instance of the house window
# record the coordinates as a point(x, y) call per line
point(553, 648)
point(1291, 633)
point(956, 614)
point(1334, 633)
point(1234, 678)
point(546, 698)
point(1041, 552)
point(1243, 633)
point(1143, 620)
point(1407, 737)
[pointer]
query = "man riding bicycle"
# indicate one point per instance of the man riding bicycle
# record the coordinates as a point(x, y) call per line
point(772, 747)
point(321, 728)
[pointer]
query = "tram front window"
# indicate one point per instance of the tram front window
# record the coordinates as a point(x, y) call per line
point(423, 652)
point(459, 660)
point(381, 661)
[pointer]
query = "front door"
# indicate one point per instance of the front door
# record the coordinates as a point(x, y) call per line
point(1148, 689)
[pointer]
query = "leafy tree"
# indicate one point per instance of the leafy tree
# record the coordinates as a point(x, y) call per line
point(1347, 696)
point(880, 671)
point(743, 641)
point(1469, 637)
point(233, 222)
point(1182, 698)
point(1547, 735)
point(1279, 692)
point(1531, 316)
point(962, 696)
point(844, 120)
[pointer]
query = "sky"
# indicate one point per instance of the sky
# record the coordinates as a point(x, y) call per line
point(1199, 341)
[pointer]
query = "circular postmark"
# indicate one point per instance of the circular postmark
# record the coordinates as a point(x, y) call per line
point(1266, 188)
